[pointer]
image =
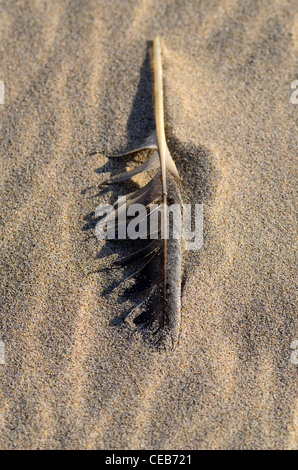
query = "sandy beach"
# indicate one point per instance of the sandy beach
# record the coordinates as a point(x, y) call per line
point(77, 79)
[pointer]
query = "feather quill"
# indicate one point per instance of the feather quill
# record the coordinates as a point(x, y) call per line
point(160, 275)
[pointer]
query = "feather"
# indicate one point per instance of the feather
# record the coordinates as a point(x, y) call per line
point(160, 274)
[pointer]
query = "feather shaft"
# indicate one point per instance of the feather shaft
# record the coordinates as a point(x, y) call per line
point(161, 139)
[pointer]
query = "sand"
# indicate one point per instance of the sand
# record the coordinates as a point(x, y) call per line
point(77, 78)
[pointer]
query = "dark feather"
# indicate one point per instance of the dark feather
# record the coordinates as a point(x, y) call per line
point(159, 275)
